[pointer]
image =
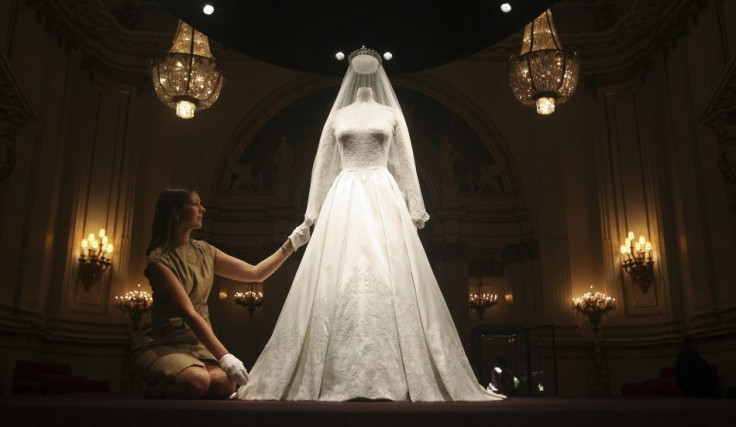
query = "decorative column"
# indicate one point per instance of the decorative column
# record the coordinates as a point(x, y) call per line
point(720, 115)
point(15, 111)
point(727, 161)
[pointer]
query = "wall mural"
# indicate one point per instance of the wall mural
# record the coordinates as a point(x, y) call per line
point(451, 156)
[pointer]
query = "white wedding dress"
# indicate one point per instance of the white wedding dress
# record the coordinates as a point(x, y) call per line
point(365, 317)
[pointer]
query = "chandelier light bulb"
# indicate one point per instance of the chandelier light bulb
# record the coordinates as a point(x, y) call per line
point(545, 105)
point(505, 8)
point(208, 9)
point(185, 109)
point(388, 56)
point(339, 56)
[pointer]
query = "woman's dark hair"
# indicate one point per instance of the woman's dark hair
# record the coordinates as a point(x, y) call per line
point(169, 201)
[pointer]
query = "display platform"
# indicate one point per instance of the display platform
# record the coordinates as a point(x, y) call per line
point(119, 410)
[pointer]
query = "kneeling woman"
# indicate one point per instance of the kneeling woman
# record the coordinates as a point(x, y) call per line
point(179, 356)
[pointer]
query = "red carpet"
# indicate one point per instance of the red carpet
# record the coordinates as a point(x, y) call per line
point(115, 410)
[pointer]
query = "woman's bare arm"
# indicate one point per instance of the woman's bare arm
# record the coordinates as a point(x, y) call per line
point(235, 269)
point(169, 288)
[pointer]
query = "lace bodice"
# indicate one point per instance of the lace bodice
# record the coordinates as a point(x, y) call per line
point(364, 133)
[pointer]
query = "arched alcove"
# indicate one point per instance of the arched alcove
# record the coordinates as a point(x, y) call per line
point(469, 181)
point(270, 154)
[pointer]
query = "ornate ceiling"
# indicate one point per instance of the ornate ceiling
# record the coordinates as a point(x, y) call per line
point(305, 36)
point(117, 38)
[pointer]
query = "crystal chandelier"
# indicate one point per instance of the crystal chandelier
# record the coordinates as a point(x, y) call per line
point(543, 74)
point(187, 78)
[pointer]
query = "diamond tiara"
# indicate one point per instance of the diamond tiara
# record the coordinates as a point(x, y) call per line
point(364, 51)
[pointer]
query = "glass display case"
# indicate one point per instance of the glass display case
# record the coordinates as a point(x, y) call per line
point(516, 360)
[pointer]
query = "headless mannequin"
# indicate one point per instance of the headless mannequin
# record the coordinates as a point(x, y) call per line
point(365, 105)
point(364, 94)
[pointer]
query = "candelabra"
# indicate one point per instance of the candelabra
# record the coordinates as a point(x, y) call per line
point(480, 302)
point(135, 304)
point(595, 305)
point(250, 299)
point(94, 258)
point(637, 261)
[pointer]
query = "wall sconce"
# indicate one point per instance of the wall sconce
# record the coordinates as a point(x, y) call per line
point(250, 299)
point(95, 258)
point(637, 261)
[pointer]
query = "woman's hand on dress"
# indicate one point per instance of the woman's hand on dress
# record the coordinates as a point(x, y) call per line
point(299, 236)
point(234, 369)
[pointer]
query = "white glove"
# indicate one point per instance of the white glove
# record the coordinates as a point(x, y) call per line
point(419, 219)
point(234, 369)
point(299, 236)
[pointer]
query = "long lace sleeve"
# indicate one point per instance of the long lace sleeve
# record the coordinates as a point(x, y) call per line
point(406, 173)
point(325, 169)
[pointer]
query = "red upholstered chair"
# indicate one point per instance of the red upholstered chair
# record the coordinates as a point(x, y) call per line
point(32, 377)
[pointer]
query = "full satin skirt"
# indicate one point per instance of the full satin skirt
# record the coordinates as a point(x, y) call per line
point(365, 317)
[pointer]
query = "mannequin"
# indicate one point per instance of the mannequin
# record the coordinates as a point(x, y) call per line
point(364, 318)
point(364, 94)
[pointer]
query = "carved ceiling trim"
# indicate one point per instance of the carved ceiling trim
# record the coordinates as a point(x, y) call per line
point(721, 108)
point(107, 48)
point(14, 106)
point(647, 27)
point(617, 77)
